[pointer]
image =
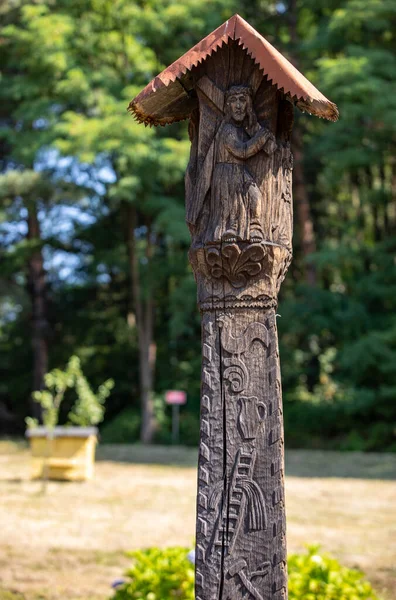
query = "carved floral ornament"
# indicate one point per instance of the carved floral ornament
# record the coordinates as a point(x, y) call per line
point(235, 263)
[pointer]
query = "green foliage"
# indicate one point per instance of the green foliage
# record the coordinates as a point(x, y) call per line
point(88, 408)
point(189, 429)
point(8, 595)
point(314, 576)
point(166, 574)
point(123, 429)
point(158, 574)
point(71, 155)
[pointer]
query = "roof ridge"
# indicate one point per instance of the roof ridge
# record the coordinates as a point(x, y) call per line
point(279, 70)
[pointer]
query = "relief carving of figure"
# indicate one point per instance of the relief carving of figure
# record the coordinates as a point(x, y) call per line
point(233, 197)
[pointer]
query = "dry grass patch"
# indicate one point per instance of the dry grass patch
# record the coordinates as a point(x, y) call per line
point(69, 542)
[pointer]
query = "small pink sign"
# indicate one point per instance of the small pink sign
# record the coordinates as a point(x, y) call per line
point(175, 397)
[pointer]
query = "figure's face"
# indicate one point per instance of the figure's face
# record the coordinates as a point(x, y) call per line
point(238, 104)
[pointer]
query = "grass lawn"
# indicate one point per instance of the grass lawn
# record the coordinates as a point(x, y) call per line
point(69, 543)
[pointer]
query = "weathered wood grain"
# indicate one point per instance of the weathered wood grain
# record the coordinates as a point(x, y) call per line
point(241, 543)
point(239, 211)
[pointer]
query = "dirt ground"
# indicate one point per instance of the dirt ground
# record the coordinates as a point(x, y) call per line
point(70, 542)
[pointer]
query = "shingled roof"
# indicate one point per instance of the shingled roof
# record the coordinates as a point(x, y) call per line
point(165, 99)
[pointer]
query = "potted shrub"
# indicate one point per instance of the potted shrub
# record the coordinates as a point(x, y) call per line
point(66, 452)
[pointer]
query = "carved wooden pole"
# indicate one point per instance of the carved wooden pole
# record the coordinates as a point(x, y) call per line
point(238, 93)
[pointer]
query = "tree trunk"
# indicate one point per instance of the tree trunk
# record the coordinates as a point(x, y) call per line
point(144, 310)
point(303, 209)
point(147, 364)
point(37, 291)
point(300, 193)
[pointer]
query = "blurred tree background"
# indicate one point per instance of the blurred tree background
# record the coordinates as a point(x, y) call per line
point(92, 234)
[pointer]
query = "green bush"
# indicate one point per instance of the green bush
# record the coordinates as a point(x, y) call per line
point(158, 574)
point(123, 429)
point(341, 425)
point(189, 429)
point(166, 574)
point(314, 576)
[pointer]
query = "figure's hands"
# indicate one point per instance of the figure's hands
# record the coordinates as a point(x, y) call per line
point(255, 128)
point(270, 146)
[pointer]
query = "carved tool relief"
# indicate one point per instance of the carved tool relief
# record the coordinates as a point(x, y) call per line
point(237, 510)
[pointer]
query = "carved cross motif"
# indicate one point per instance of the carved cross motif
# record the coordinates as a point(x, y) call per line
point(238, 92)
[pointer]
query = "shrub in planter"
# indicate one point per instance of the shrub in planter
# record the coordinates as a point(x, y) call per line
point(166, 574)
point(66, 452)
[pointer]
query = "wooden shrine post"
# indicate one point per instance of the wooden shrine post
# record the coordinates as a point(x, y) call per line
point(238, 92)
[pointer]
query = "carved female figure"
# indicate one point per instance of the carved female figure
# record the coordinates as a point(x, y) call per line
point(235, 200)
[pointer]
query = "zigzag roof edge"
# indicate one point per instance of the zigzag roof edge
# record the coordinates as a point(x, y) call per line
point(277, 68)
